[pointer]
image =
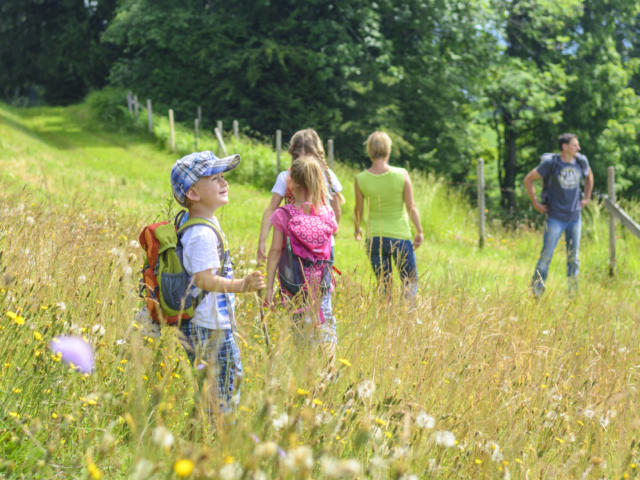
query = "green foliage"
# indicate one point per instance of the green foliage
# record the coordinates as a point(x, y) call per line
point(109, 107)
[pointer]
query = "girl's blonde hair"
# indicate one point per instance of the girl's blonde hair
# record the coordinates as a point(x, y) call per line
point(307, 142)
point(378, 145)
point(306, 172)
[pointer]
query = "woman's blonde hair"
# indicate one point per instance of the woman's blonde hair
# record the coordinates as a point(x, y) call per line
point(306, 172)
point(378, 145)
point(307, 142)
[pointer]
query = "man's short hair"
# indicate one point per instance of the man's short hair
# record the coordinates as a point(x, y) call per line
point(565, 139)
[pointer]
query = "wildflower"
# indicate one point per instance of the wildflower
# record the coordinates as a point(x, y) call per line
point(444, 438)
point(281, 421)
point(366, 389)
point(37, 335)
point(344, 362)
point(61, 305)
point(94, 471)
point(162, 437)
point(299, 459)
point(98, 330)
point(82, 279)
point(426, 421)
point(16, 318)
point(302, 391)
point(266, 449)
point(143, 470)
point(30, 220)
point(333, 468)
point(183, 467)
point(127, 270)
point(74, 350)
point(134, 244)
point(231, 471)
point(494, 449)
point(589, 413)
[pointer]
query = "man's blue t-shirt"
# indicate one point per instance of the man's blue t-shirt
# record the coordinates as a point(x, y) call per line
point(563, 185)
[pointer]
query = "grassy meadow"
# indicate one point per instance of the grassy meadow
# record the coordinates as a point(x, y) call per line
point(482, 382)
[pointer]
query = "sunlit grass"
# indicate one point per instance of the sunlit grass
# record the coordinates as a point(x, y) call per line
point(480, 382)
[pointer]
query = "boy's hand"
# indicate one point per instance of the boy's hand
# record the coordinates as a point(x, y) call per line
point(252, 282)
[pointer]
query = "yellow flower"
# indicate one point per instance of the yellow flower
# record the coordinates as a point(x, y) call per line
point(94, 471)
point(183, 467)
point(478, 461)
point(37, 335)
point(302, 391)
point(345, 362)
point(16, 318)
point(317, 402)
point(379, 421)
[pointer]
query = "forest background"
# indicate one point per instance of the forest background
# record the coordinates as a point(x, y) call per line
point(451, 81)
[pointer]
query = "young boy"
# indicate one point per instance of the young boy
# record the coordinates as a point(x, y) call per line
point(198, 184)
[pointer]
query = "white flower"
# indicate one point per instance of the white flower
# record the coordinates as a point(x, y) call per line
point(61, 305)
point(266, 449)
point(162, 437)
point(30, 220)
point(399, 452)
point(82, 279)
point(98, 330)
point(494, 449)
point(281, 421)
point(333, 468)
point(121, 341)
point(143, 470)
point(300, 458)
point(589, 413)
point(127, 270)
point(409, 476)
point(426, 421)
point(134, 244)
point(258, 475)
point(366, 389)
point(444, 438)
point(604, 421)
point(231, 471)
point(114, 251)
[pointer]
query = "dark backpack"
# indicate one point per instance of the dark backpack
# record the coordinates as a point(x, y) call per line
point(165, 285)
point(546, 181)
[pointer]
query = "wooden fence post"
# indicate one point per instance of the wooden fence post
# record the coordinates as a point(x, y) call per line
point(611, 189)
point(330, 148)
point(221, 141)
point(197, 124)
point(136, 106)
point(236, 132)
point(219, 126)
point(199, 113)
point(130, 101)
point(172, 131)
point(149, 116)
point(278, 148)
point(480, 203)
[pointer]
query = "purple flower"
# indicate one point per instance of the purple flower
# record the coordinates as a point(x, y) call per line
point(74, 350)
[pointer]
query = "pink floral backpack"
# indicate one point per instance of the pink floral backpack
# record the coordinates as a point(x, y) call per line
point(306, 260)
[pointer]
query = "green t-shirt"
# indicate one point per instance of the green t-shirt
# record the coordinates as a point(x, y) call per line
point(384, 194)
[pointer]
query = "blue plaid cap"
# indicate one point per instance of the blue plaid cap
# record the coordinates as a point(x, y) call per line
point(189, 169)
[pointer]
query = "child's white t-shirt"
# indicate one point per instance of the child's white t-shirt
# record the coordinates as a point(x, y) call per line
point(200, 253)
point(280, 187)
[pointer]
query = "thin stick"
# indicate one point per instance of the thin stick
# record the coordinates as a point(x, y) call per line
point(265, 332)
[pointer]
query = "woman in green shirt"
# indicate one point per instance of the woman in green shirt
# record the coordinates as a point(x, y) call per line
point(389, 196)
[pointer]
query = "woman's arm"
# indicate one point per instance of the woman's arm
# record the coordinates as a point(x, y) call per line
point(275, 251)
point(357, 212)
point(412, 208)
point(265, 226)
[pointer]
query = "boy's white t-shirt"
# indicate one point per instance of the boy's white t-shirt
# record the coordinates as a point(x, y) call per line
point(200, 253)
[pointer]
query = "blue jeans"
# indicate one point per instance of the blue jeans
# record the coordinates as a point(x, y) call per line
point(552, 232)
point(381, 250)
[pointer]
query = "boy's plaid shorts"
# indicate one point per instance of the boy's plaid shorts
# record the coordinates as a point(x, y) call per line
point(215, 348)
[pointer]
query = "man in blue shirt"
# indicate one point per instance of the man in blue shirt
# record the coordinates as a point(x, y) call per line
point(562, 201)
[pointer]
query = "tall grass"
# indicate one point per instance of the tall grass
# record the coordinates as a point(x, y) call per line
point(523, 389)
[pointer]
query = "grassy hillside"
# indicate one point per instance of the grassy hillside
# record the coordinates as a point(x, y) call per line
point(528, 389)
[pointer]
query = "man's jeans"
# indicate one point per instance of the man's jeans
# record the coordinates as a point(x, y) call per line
point(552, 233)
